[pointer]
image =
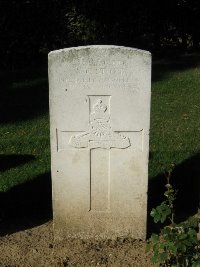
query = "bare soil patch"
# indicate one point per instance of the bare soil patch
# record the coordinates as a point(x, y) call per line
point(35, 247)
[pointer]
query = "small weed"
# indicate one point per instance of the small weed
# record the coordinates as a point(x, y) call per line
point(176, 244)
point(65, 262)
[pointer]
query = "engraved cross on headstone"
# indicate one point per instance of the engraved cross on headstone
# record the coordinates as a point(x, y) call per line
point(99, 139)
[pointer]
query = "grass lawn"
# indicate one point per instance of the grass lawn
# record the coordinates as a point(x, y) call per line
point(175, 115)
point(24, 130)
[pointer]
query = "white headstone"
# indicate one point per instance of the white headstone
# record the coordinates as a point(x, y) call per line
point(99, 116)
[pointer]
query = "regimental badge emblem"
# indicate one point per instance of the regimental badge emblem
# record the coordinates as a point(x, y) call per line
point(100, 133)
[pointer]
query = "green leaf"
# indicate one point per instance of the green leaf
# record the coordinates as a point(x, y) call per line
point(196, 264)
point(183, 236)
point(154, 238)
point(155, 259)
point(161, 212)
point(172, 247)
point(156, 247)
point(163, 257)
point(181, 247)
point(166, 230)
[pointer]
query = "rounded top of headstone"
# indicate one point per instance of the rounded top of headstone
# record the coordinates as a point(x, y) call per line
point(101, 47)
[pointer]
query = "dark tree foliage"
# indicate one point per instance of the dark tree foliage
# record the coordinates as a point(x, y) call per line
point(29, 29)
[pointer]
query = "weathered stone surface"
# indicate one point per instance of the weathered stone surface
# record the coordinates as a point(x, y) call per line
point(99, 115)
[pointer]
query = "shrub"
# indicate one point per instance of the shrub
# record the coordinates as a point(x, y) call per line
point(176, 244)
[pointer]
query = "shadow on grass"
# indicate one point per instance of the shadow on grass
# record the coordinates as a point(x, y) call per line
point(24, 95)
point(26, 205)
point(10, 161)
point(186, 180)
point(162, 67)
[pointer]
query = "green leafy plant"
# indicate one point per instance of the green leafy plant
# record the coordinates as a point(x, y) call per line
point(176, 244)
